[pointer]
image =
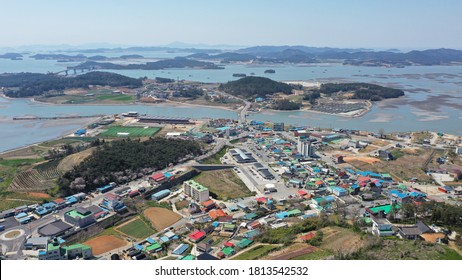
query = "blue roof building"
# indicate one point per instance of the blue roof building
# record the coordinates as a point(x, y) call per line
point(180, 249)
point(282, 215)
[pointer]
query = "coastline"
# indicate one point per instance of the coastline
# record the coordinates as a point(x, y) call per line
point(168, 103)
point(62, 135)
point(352, 114)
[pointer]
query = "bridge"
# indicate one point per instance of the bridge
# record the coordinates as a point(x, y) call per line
point(75, 69)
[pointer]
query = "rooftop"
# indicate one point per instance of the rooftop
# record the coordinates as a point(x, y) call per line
point(196, 185)
point(77, 246)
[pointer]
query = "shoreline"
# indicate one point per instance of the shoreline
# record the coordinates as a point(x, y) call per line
point(62, 135)
point(182, 104)
point(344, 115)
point(168, 103)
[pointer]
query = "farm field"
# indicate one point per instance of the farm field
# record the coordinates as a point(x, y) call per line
point(105, 243)
point(161, 218)
point(255, 252)
point(342, 240)
point(136, 228)
point(291, 252)
point(129, 131)
point(319, 254)
point(409, 165)
point(225, 184)
point(9, 168)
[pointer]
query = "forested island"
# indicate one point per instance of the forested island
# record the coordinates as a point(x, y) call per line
point(12, 56)
point(361, 90)
point(286, 105)
point(125, 160)
point(34, 84)
point(252, 87)
point(178, 62)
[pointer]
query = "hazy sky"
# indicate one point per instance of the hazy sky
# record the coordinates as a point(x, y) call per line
point(362, 23)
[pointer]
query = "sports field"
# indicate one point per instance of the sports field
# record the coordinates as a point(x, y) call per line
point(129, 131)
point(136, 228)
point(105, 243)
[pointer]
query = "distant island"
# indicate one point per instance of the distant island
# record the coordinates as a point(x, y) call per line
point(240, 75)
point(252, 87)
point(367, 91)
point(12, 56)
point(34, 84)
point(178, 62)
point(270, 71)
point(360, 57)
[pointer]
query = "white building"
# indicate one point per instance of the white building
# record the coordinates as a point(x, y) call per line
point(459, 151)
point(196, 191)
point(305, 148)
point(382, 227)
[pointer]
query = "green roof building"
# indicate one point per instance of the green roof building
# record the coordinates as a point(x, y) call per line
point(244, 243)
point(228, 251)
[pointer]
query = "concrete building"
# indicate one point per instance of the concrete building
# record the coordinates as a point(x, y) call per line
point(459, 151)
point(305, 148)
point(382, 227)
point(112, 202)
point(55, 251)
point(196, 191)
point(80, 217)
point(278, 126)
point(242, 156)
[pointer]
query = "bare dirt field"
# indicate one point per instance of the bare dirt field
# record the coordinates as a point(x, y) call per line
point(224, 183)
point(292, 252)
point(369, 160)
point(161, 217)
point(70, 161)
point(338, 239)
point(38, 194)
point(105, 243)
point(405, 167)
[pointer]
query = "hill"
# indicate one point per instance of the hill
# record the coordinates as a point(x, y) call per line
point(124, 160)
point(361, 90)
point(301, 54)
point(33, 84)
point(252, 87)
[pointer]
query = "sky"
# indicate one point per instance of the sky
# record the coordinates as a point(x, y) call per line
point(402, 24)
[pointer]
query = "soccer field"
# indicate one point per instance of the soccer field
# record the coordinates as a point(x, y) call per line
point(129, 131)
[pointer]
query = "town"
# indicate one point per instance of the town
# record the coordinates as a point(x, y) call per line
point(259, 191)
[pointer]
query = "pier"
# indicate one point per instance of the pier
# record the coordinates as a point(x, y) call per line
point(33, 118)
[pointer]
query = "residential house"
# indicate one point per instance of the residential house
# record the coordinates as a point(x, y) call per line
point(381, 227)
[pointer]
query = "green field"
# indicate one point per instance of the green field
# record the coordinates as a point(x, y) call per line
point(8, 170)
point(137, 228)
point(223, 184)
point(316, 255)
point(133, 131)
point(256, 252)
point(118, 97)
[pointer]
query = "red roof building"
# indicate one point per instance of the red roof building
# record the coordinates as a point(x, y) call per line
point(364, 179)
point(261, 200)
point(216, 213)
point(158, 177)
point(59, 201)
point(196, 236)
point(302, 192)
point(254, 225)
point(307, 236)
point(228, 244)
point(209, 204)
